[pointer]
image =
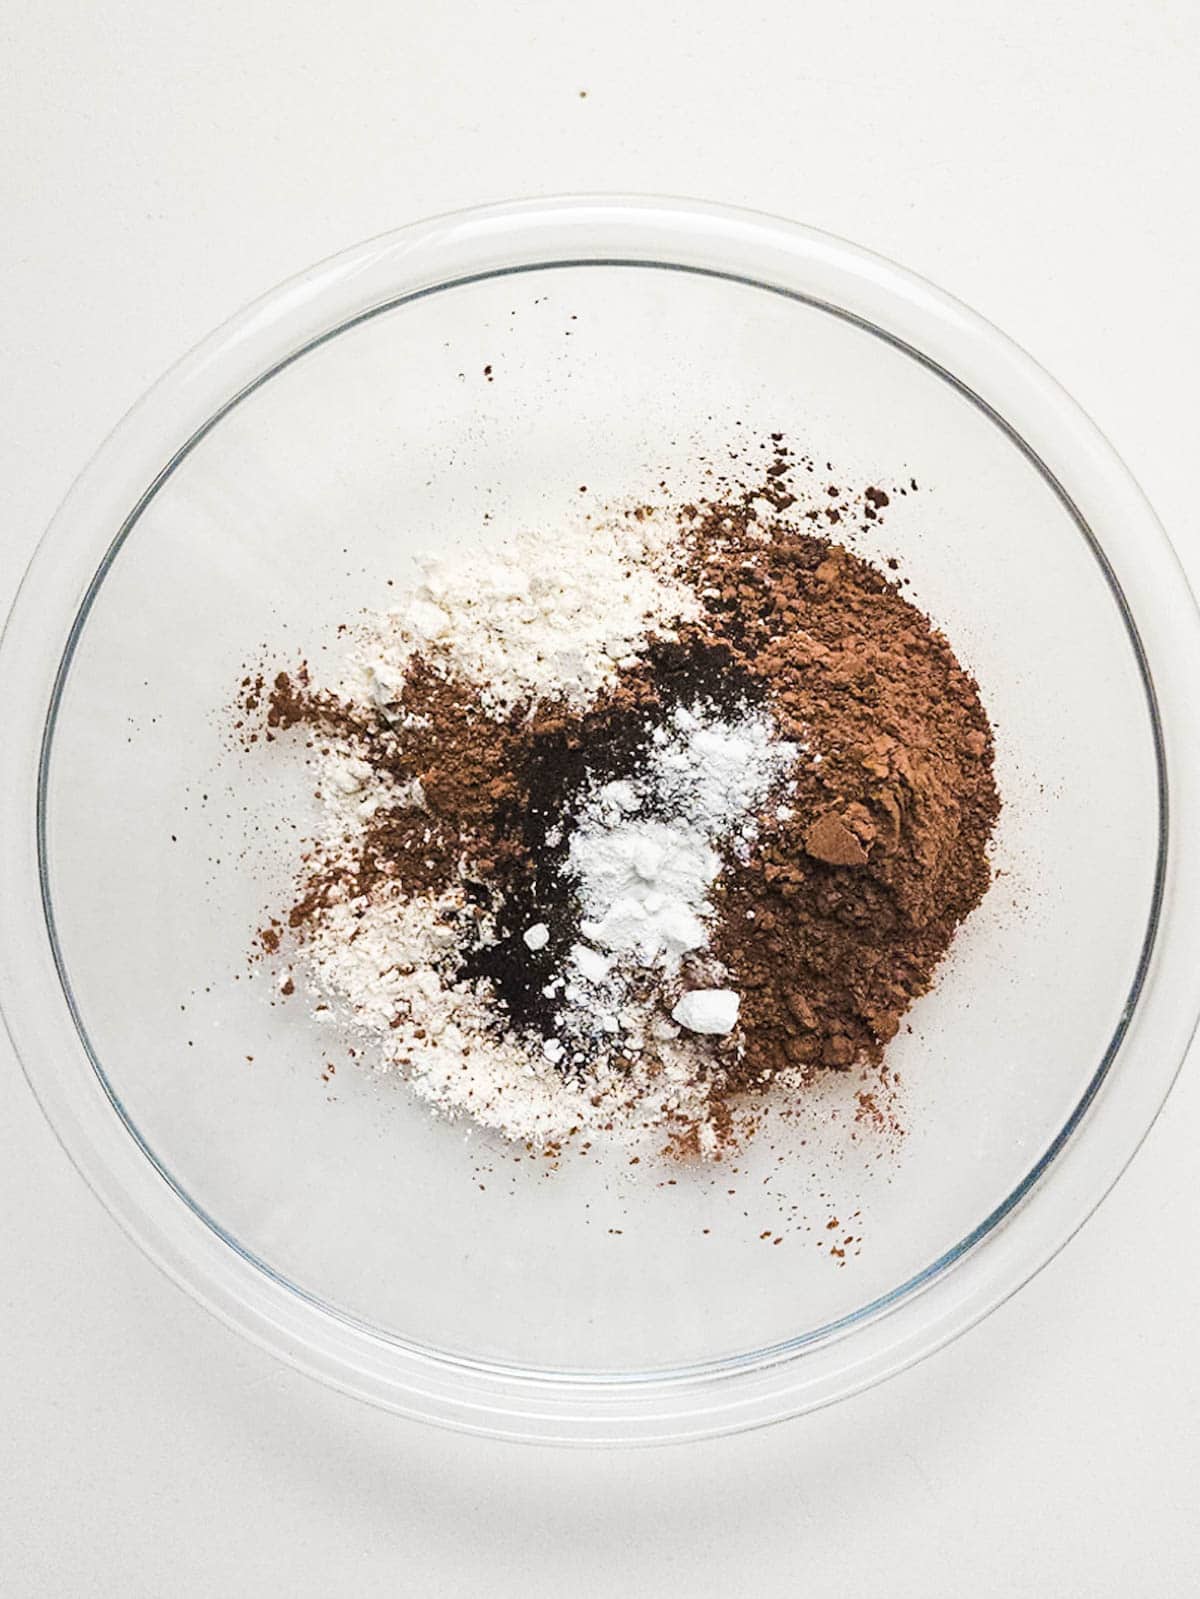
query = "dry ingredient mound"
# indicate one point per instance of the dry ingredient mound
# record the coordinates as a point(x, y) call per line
point(624, 839)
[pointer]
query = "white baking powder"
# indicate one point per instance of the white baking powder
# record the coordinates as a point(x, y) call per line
point(644, 853)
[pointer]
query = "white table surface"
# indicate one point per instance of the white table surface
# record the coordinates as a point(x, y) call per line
point(162, 163)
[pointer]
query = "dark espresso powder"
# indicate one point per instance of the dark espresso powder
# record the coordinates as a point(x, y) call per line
point(556, 759)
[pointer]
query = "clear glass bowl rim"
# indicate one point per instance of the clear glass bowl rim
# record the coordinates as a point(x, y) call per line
point(1063, 1186)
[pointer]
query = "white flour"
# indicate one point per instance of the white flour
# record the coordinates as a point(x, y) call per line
point(537, 619)
point(385, 964)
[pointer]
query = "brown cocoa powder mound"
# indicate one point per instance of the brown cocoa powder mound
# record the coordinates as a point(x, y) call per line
point(842, 914)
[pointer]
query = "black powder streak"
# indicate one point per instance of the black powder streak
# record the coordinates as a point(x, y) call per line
point(558, 769)
point(561, 767)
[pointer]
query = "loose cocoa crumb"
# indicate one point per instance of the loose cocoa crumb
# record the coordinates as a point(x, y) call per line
point(829, 839)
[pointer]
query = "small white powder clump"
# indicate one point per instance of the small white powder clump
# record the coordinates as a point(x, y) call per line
point(712, 1011)
point(537, 619)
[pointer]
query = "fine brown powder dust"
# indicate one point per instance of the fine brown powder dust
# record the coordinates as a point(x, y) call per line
point(827, 922)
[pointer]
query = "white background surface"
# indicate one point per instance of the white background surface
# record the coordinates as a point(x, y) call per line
point(162, 164)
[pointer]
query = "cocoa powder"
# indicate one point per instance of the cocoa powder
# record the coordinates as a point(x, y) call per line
point(841, 917)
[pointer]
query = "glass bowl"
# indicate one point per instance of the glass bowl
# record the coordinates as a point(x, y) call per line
point(436, 387)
